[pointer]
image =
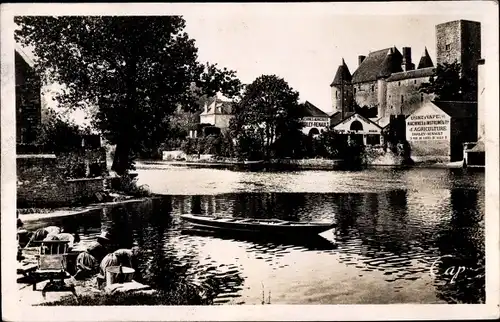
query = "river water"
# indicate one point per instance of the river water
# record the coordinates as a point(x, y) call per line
point(403, 236)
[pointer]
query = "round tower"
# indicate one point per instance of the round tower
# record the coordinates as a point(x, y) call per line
point(341, 89)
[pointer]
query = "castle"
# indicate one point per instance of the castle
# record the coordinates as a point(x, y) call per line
point(388, 81)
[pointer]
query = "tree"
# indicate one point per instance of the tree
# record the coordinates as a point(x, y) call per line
point(450, 84)
point(269, 114)
point(136, 70)
point(59, 134)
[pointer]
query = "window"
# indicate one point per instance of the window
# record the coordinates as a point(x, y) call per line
point(402, 99)
point(399, 83)
point(354, 90)
point(421, 97)
point(372, 139)
point(448, 46)
point(373, 88)
point(336, 94)
point(415, 81)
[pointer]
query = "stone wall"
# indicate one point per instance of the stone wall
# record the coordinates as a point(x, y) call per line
point(42, 183)
point(366, 94)
point(437, 150)
point(412, 98)
point(337, 94)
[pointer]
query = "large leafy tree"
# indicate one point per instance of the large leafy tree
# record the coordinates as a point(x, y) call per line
point(269, 114)
point(451, 84)
point(136, 70)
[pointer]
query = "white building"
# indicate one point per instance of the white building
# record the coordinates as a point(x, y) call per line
point(217, 112)
point(354, 124)
point(314, 120)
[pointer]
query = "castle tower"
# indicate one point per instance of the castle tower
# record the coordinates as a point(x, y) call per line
point(407, 64)
point(425, 60)
point(342, 90)
point(460, 41)
point(392, 63)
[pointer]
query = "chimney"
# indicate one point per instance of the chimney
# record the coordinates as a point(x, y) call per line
point(407, 65)
point(360, 59)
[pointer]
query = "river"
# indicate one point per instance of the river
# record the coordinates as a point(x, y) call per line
point(403, 236)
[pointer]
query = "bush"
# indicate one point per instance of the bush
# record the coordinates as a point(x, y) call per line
point(181, 295)
point(128, 185)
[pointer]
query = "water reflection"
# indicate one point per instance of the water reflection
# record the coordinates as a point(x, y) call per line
point(391, 239)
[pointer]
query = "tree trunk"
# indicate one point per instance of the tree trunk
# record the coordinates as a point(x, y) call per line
point(121, 159)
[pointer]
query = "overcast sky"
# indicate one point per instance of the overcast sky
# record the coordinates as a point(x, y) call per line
point(303, 42)
point(307, 50)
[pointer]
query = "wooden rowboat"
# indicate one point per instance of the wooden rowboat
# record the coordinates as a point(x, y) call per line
point(263, 226)
point(247, 162)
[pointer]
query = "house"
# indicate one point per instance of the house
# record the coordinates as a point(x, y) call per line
point(438, 130)
point(313, 119)
point(357, 126)
point(217, 112)
point(387, 79)
point(28, 98)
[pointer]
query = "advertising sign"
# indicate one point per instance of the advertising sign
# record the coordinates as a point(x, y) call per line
point(430, 127)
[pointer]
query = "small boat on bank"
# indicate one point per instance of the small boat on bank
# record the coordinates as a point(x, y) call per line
point(247, 162)
point(263, 226)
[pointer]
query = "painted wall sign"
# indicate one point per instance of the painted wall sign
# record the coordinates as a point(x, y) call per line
point(315, 121)
point(428, 127)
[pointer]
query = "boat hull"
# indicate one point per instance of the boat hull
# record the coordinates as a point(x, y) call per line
point(279, 227)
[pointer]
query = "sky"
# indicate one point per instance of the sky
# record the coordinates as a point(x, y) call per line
point(306, 51)
point(305, 43)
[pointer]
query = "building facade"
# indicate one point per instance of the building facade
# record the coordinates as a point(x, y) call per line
point(355, 124)
point(217, 112)
point(314, 120)
point(437, 130)
point(388, 80)
point(28, 98)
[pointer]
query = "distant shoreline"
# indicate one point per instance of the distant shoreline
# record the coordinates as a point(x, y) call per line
point(300, 164)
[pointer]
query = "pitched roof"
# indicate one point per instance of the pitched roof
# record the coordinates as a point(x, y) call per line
point(308, 109)
point(457, 109)
point(343, 75)
point(336, 117)
point(218, 106)
point(372, 65)
point(416, 73)
point(19, 50)
point(479, 147)
point(383, 121)
point(391, 64)
point(425, 60)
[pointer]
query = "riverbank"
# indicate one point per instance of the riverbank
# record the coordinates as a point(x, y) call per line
point(295, 164)
point(41, 213)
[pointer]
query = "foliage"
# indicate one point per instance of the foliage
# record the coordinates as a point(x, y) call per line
point(249, 146)
point(182, 294)
point(267, 117)
point(136, 70)
point(59, 134)
point(128, 185)
point(449, 85)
